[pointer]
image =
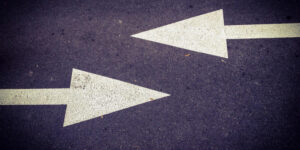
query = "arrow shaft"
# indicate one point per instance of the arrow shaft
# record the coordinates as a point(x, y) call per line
point(33, 96)
point(290, 30)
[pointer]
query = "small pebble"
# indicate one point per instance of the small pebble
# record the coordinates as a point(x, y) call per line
point(30, 73)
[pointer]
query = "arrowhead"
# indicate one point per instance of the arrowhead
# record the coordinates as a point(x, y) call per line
point(204, 34)
point(95, 95)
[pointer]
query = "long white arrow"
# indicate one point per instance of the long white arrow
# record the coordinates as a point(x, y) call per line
point(207, 33)
point(88, 97)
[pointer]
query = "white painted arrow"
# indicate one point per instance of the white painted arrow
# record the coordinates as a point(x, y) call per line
point(88, 97)
point(207, 33)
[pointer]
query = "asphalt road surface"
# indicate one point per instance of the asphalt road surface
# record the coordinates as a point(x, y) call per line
point(248, 101)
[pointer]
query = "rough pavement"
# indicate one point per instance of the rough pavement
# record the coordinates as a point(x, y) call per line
point(249, 101)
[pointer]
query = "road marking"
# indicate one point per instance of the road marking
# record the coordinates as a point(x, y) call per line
point(288, 30)
point(88, 97)
point(207, 33)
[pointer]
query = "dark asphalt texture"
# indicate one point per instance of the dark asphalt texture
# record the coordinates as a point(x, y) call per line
point(249, 101)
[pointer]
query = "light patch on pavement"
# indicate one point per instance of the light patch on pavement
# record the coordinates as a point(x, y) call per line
point(207, 34)
point(88, 97)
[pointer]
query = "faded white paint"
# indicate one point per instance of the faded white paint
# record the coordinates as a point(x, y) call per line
point(207, 34)
point(89, 96)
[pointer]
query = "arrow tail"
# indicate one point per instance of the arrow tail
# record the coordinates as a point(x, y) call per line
point(32, 96)
point(290, 30)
